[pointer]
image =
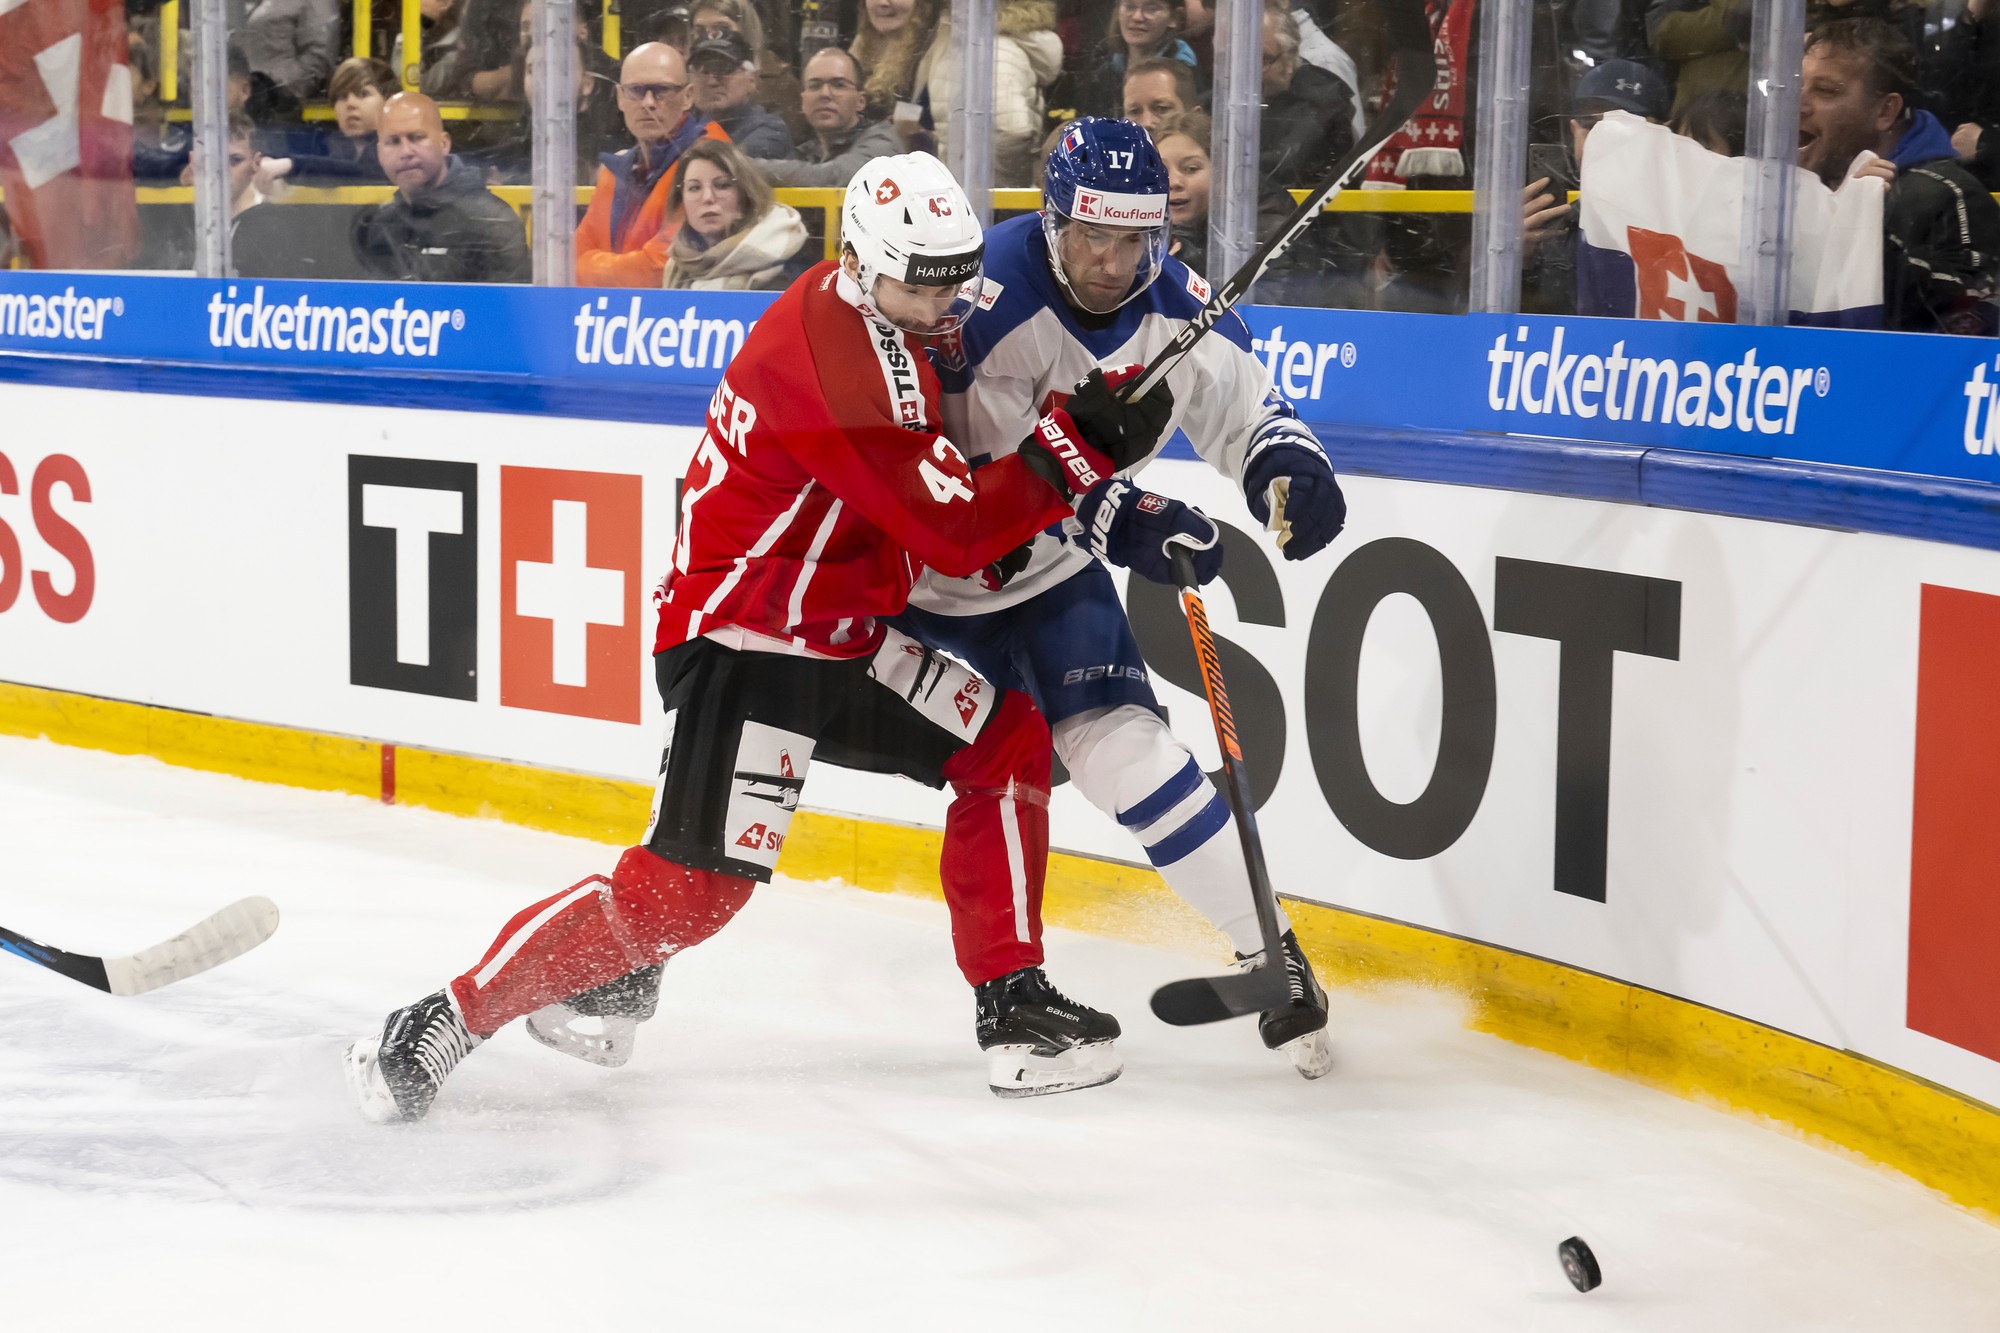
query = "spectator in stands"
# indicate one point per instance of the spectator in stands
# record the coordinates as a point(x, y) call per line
point(1308, 113)
point(623, 238)
point(724, 73)
point(159, 146)
point(1303, 277)
point(483, 68)
point(442, 224)
point(1963, 74)
point(777, 81)
point(1707, 42)
point(1941, 230)
point(894, 36)
point(1027, 56)
point(260, 243)
point(1548, 221)
point(600, 128)
point(291, 45)
point(347, 154)
point(736, 237)
point(1715, 120)
point(440, 33)
point(1158, 92)
point(1139, 30)
point(843, 136)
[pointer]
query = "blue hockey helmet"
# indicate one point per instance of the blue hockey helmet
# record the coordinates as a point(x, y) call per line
point(1104, 212)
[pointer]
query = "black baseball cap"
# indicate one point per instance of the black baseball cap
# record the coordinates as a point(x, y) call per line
point(728, 48)
point(1620, 85)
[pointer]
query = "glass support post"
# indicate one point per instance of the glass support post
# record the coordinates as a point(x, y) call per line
point(552, 117)
point(971, 129)
point(1771, 148)
point(1239, 103)
point(211, 139)
point(1500, 157)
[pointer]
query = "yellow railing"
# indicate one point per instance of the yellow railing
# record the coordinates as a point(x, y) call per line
point(364, 28)
point(413, 44)
point(826, 201)
point(170, 51)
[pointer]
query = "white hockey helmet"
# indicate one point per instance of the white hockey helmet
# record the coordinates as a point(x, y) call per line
point(908, 220)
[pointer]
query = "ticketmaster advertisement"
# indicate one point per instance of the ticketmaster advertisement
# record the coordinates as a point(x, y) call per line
point(1898, 402)
point(1737, 761)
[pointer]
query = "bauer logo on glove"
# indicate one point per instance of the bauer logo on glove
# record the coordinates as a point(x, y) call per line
point(1133, 528)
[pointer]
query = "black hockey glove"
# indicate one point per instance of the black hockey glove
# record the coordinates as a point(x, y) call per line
point(1291, 469)
point(1130, 527)
point(1126, 432)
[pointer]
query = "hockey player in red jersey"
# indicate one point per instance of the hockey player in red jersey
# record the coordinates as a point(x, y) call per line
point(821, 488)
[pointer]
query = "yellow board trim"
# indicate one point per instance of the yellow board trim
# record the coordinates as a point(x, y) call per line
point(1946, 1141)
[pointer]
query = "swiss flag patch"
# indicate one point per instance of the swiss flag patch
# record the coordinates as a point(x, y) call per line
point(911, 411)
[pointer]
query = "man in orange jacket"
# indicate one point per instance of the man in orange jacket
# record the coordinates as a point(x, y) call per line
point(623, 239)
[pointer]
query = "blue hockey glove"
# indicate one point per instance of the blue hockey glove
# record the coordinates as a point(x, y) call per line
point(1130, 527)
point(1311, 511)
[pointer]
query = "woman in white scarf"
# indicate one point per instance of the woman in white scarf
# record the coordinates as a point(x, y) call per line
point(734, 235)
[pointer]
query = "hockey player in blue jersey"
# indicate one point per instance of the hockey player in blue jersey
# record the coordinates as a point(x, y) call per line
point(1087, 283)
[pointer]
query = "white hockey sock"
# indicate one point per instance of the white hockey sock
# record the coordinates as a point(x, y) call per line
point(1128, 764)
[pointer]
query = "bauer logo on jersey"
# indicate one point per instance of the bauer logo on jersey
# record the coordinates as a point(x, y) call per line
point(1127, 210)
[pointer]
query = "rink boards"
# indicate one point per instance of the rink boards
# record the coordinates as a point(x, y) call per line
point(1737, 762)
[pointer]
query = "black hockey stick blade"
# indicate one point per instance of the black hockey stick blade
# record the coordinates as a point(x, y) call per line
point(1199, 1000)
point(1411, 53)
point(229, 933)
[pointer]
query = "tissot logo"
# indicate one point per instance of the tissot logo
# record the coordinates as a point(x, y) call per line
point(413, 575)
point(570, 550)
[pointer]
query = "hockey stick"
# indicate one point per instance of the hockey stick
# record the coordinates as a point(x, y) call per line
point(1264, 985)
point(236, 929)
point(1416, 76)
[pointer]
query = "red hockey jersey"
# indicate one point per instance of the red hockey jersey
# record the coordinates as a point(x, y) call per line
point(822, 486)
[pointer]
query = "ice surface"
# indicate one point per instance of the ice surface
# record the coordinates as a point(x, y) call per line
point(804, 1139)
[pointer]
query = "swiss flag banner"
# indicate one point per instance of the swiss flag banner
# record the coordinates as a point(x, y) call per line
point(1662, 220)
point(66, 132)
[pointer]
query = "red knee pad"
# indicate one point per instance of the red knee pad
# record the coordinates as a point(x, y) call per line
point(1013, 748)
point(659, 906)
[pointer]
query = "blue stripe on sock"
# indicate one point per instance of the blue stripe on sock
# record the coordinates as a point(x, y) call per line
point(1170, 794)
point(1210, 820)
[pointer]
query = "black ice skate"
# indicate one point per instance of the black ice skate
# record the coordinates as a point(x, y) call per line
point(600, 1025)
point(396, 1075)
point(1297, 1028)
point(1040, 1041)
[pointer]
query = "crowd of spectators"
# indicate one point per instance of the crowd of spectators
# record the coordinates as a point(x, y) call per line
point(752, 95)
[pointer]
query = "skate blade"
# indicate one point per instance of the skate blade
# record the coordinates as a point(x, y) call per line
point(363, 1066)
point(1016, 1071)
point(1311, 1055)
point(561, 1028)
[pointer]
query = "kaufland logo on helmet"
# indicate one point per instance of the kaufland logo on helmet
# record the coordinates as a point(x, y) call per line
point(1132, 210)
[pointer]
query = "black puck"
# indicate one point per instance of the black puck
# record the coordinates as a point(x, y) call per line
point(1579, 1264)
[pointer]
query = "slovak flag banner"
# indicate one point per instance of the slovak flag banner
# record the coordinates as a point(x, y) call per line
point(66, 132)
point(1661, 219)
